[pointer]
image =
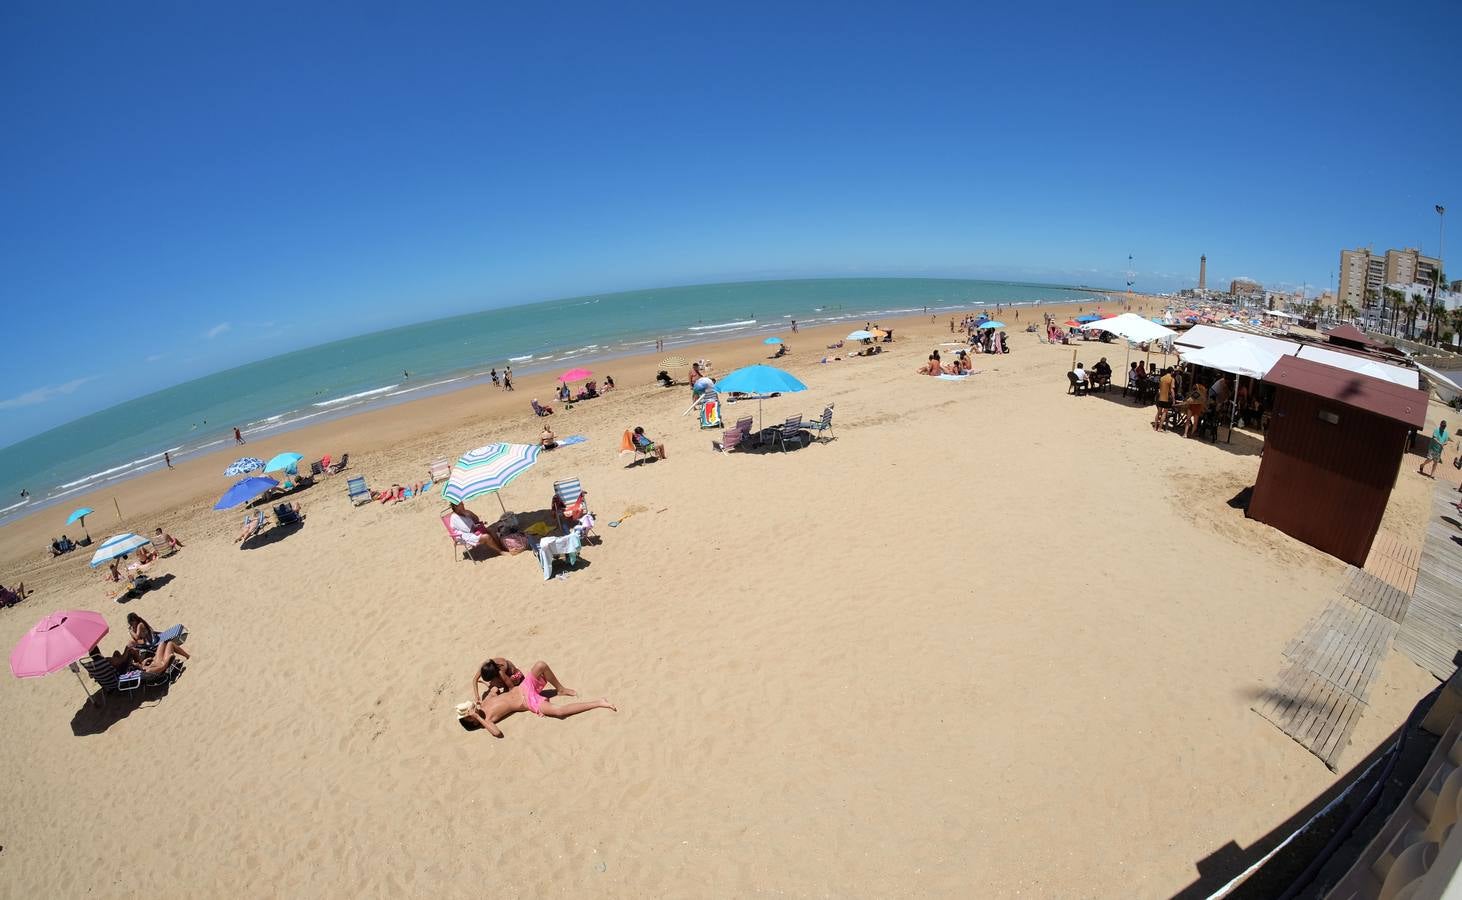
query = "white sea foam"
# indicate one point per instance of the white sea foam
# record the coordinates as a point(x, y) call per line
point(422, 387)
point(723, 325)
point(520, 358)
point(14, 506)
point(136, 463)
point(349, 397)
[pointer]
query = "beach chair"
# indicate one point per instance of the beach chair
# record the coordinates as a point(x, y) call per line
point(570, 504)
point(711, 413)
point(821, 426)
point(161, 547)
point(457, 541)
point(336, 467)
point(357, 490)
point(729, 441)
point(1076, 386)
point(627, 445)
point(541, 410)
point(284, 514)
point(111, 681)
point(791, 430)
point(439, 470)
point(317, 468)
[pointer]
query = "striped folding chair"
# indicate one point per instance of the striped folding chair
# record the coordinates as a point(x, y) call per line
point(821, 426)
point(791, 430)
point(439, 470)
point(356, 488)
point(570, 503)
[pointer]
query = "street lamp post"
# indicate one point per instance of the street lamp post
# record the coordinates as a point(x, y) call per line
point(1437, 275)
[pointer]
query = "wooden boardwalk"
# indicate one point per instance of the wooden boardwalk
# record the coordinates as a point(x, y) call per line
point(1323, 687)
point(1329, 668)
point(1432, 629)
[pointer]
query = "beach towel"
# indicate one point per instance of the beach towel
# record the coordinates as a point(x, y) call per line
point(538, 529)
point(953, 377)
point(711, 414)
point(568, 546)
point(572, 440)
point(627, 443)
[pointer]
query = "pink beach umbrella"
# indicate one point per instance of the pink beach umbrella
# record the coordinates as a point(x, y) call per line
point(575, 375)
point(56, 642)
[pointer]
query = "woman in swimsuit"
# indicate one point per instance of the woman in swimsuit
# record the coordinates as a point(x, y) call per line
point(145, 640)
point(510, 690)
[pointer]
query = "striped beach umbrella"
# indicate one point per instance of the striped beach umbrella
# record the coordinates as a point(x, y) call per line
point(117, 545)
point(244, 466)
point(674, 362)
point(488, 470)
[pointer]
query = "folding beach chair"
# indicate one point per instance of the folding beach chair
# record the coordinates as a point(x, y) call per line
point(711, 413)
point(339, 464)
point(284, 514)
point(356, 488)
point(821, 426)
point(162, 547)
point(791, 430)
point(570, 504)
point(627, 445)
point(317, 468)
point(729, 441)
point(439, 470)
point(111, 681)
point(457, 541)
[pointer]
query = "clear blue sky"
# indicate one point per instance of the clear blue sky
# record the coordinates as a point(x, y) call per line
point(171, 173)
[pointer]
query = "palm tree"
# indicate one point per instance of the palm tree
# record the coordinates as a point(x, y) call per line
point(1390, 299)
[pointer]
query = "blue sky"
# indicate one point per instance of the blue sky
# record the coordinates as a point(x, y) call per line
point(189, 186)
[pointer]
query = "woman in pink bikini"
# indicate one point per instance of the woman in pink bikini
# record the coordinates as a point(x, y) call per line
point(509, 689)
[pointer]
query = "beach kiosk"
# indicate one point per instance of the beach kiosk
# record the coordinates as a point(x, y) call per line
point(1332, 453)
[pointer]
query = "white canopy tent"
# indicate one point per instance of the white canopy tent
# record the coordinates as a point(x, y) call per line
point(1249, 354)
point(1361, 365)
point(1132, 327)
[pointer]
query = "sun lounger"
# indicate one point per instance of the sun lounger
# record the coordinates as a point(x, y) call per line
point(111, 681)
point(338, 466)
point(284, 514)
point(356, 488)
point(439, 470)
point(821, 426)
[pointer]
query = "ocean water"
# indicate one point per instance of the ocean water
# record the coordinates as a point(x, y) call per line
point(358, 373)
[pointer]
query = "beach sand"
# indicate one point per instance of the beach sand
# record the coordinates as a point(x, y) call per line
point(990, 640)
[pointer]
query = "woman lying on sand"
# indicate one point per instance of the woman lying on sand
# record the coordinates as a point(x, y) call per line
point(510, 690)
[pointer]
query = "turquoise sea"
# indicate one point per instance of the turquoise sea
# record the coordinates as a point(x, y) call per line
point(358, 373)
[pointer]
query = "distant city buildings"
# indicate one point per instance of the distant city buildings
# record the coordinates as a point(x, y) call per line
point(1244, 288)
point(1363, 273)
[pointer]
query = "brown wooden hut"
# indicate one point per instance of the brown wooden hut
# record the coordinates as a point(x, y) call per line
point(1331, 455)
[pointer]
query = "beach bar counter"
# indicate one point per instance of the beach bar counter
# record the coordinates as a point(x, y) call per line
point(1332, 453)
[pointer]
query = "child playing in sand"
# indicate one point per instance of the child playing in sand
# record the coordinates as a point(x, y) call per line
point(510, 690)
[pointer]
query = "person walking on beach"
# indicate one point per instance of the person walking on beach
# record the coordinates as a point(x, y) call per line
point(167, 458)
point(493, 373)
point(1440, 439)
point(794, 326)
point(238, 436)
point(1164, 398)
point(508, 378)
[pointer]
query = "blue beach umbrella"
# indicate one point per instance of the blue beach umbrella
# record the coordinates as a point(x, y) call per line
point(244, 466)
point(284, 462)
point(117, 545)
point(243, 491)
point(861, 335)
point(760, 380)
point(487, 470)
point(1089, 317)
point(772, 340)
point(79, 515)
point(992, 324)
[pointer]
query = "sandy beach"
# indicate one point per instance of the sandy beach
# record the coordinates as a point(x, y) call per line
point(991, 640)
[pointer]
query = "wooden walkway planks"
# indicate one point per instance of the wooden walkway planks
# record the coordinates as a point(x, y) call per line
point(1375, 593)
point(1332, 664)
point(1431, 631)
point(1394, 561)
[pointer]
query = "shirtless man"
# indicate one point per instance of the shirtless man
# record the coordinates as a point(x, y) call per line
point(510, 690)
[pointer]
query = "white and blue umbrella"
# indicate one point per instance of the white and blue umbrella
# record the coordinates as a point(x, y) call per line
point(244, 466)
point(772, 340)
point(284, 462)
point(241, 492)
point(861, 335)
point(760, 380)
point(488, 470)
point(992, 324)
point(117, 545)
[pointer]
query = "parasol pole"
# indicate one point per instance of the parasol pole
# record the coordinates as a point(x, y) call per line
point(119, 511)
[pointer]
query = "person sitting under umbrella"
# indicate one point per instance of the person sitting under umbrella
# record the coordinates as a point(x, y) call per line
point(252, 526)
point(148, 642)
point(468, 528)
